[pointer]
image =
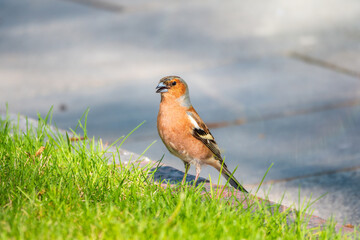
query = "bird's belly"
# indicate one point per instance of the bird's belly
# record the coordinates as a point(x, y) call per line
point(183, 145)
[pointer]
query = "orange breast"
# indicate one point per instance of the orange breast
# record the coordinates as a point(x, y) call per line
point(174, 128)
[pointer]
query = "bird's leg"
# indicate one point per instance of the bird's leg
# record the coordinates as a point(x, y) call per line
point(198, 168)
point(187, 167)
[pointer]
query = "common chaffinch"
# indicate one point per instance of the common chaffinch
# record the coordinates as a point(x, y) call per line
point(183, 132)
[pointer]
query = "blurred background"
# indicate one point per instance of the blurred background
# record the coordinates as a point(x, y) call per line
point(277, 82)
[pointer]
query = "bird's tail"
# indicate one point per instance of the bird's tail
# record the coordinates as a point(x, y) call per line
point(232, 180)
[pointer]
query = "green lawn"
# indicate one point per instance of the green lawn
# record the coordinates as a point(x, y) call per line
point(52, 188)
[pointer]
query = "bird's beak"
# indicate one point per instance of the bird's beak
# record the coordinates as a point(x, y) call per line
point(161, 87)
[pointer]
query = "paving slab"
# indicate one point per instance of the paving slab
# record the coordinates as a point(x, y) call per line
point(39, 48)
point(341, 201)
point(51, 42)
point(337, 50)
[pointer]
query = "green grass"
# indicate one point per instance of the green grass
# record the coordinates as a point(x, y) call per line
point(69, 191)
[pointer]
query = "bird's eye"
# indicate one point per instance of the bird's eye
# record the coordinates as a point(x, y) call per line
point(173, 83)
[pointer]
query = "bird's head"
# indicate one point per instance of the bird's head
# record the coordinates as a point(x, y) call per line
point(174, 87)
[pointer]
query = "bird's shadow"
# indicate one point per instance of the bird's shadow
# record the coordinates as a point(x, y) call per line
point(169, 174)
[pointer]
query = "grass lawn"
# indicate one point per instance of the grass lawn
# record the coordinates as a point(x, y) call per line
point(55, 188)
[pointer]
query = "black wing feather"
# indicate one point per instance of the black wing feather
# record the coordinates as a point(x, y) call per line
point(200, 134)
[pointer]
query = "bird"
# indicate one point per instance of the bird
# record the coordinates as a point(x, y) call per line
point(185, 134)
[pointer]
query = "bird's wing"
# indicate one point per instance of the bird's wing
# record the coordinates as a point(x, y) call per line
point(202, 133)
